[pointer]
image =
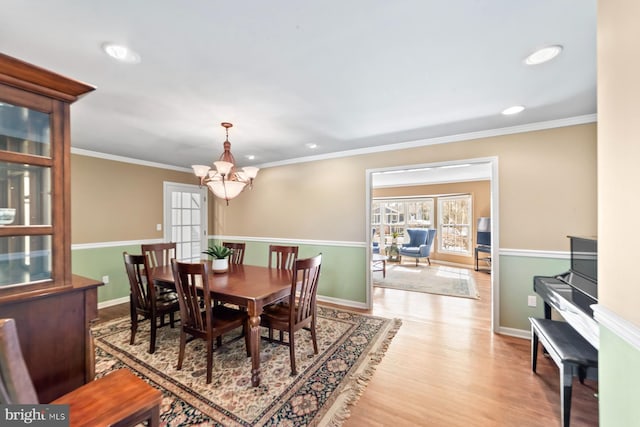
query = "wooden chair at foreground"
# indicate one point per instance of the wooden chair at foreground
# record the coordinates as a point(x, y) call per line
point(282, 257)
point(300, 311)
point(145, 300)
point(199, 317)
point(119, 398)
point(237, 256)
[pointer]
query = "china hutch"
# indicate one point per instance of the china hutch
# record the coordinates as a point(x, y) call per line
point(52, 307)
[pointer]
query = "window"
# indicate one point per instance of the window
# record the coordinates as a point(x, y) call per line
point(389, 216)
point(454, 225)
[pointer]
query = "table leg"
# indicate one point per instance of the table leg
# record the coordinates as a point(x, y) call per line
point(254, 331)
point(154, 419)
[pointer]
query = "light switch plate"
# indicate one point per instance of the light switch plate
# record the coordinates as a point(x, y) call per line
point(532, 301)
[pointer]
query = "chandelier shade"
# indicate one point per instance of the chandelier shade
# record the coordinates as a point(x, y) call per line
point(225, 181)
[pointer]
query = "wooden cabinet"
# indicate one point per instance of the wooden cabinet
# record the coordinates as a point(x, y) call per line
point(53, 309)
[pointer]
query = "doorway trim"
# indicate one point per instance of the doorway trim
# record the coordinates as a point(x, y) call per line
point(495, 229)
point(168, 188)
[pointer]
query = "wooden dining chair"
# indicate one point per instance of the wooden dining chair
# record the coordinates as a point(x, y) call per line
point(282, 257)
point(300, 311)
point(237, 256)
point(118, 398)
point(145, 300)
point(199, 317)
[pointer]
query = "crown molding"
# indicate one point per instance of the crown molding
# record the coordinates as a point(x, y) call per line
point(123, 159)
point(530, 127)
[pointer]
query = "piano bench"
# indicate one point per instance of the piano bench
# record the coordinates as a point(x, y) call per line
point(569, 350)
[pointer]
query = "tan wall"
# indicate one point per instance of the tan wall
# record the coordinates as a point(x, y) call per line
point(480, 192)
point(547, 190)
point(618, 156)
point(320, 200)
point(116, 201)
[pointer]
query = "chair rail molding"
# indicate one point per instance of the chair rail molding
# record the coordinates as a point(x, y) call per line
point(617, 324)
point(534, 253)
point(279, 240)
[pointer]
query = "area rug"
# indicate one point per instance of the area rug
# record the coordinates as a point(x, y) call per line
point(433, 279)
point(350, 345)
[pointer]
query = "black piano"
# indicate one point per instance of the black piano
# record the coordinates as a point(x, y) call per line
point(573, 293)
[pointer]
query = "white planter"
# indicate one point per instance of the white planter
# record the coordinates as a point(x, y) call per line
point(220, 265)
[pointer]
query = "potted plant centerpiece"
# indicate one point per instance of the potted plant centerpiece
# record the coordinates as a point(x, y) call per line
point(220, 261)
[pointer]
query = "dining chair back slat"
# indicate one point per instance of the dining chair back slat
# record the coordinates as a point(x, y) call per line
point(135, 267)
point(159, 254)
point(305, 287)
point(237, 256)
point(282, 257)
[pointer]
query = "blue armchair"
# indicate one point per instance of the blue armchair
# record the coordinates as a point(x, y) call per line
point(419, 246)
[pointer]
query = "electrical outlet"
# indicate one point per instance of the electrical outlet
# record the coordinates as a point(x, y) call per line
point(105, 279)
point(158, 227)
point(532, 301)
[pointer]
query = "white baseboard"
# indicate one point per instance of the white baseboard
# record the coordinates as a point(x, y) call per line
point(343, 302)
point(512, 332)
point(113, 302)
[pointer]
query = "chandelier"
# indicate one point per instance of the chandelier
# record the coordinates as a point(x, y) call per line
point(225, 181)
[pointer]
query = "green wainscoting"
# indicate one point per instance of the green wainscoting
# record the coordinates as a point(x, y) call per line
point(104, 261)
point(516, 283)
point(619, 381)
point(342, 276)
point(343, 273)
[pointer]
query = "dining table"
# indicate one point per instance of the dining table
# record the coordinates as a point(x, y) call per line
point(250, 286)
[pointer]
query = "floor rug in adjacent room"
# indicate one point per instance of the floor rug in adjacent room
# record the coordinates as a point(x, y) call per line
point(350, 345)
point(432, 279)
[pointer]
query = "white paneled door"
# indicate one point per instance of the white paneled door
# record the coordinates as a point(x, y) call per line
point(185, 219)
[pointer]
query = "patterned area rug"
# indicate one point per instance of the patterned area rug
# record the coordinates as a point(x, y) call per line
point(350, 345)
point(433, 279)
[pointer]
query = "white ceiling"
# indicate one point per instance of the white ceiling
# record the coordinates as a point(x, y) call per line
point(344, 75)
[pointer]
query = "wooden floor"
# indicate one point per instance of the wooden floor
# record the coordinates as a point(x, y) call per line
point(446, 368)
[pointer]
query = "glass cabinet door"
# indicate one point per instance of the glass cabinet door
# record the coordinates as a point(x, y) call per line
point(25, 195)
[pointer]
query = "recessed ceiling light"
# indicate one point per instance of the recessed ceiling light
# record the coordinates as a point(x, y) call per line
point(312, 145)
point(543, 55)
point(250, 157)
point(121, 53)
point(513, 110)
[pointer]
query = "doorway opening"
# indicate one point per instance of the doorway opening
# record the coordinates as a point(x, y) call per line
point(428, 181)
point(186, 219)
